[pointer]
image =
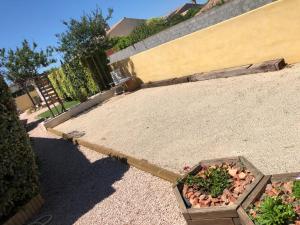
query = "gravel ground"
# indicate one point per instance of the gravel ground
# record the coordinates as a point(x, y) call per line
point(81, 186)
point(257, 116)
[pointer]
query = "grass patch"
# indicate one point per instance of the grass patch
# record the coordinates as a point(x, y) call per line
point(67, 105)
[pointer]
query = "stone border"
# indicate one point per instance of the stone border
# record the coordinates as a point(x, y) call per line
point(222, 215)
point(74, 111)
point(26, 212)
point(267, 66)
point(140, 164)
point(258, 191)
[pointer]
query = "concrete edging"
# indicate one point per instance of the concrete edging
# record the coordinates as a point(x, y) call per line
point(140, 164)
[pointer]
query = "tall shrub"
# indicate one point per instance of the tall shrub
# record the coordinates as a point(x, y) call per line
point(18, 170)
point(73, 81)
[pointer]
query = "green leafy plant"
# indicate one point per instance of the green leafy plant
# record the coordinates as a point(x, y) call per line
point(296, 188)
point(151, 27)
point(215, 181)
point(272, 211)
point(83, 46)
point(18, 170)
point(22, 65)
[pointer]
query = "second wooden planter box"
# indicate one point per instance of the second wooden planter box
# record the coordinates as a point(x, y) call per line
point(216, 215)
point(257, 193)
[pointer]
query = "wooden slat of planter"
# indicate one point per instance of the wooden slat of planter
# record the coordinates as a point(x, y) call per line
point(244, 218)
point(181, 205)
point(26, 212)
point(256, 193)
point(258, 177)
point(236, 221)
point(219, 221)
point(210, 162)
point(225, 212)
point(213, 212)
point(250, 166)
point(284, 177)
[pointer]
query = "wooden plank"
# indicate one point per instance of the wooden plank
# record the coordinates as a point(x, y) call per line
point(221, 221)
point(268, 66)
point(26, 212)
point(182, 206)
point(141, 164)
point(219, 161)
point(285, 176)
point(237, 221)
point(166, 82)
point(168, 175)
point(244, 218)
point(256, 192)
point(250, 166)
point(258, 177)
point(224, 73)
point(213, 212)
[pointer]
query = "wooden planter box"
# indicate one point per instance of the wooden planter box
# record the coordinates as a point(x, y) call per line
point(258, 191)
point(216, 215)
point(26, 212)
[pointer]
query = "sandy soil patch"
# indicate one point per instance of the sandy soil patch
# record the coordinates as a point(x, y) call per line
point(256, 116)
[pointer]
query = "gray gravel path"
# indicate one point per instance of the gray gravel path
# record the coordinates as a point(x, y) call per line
point(257, 116)
point(81, 186)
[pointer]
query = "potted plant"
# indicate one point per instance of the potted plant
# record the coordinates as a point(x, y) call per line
point(275, 200)
point(212, 191)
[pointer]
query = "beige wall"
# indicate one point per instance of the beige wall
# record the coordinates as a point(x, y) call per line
point(23, 102)
point(269, 32)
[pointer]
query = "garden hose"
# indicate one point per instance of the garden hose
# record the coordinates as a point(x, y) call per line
point(43, 220)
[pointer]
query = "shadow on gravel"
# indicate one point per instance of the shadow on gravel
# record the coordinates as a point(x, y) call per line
point(32, 125)
point(71, 184)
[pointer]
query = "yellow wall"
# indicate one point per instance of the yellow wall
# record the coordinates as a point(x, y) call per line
point(23, 102)
point(269, 32)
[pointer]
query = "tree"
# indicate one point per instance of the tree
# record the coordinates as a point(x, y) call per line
point(85, 41)
point(84, 37)
point(22, 65)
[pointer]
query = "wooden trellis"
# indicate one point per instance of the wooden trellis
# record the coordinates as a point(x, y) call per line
point(49, 94)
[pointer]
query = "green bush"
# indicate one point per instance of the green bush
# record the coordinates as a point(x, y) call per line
point(73, 81)
point(273, 211)
point(296, 189)
point(149, 28)
point(215, 182)
point(122, 43)
point(18, 170)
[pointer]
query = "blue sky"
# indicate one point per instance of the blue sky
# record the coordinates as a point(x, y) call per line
point(40, 20)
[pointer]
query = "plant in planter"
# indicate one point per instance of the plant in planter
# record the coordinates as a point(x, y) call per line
point(213, 190)
point(275, 201)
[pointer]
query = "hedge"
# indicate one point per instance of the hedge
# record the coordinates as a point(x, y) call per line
point(18, 170)
point(151, 27)
point(73, 81)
